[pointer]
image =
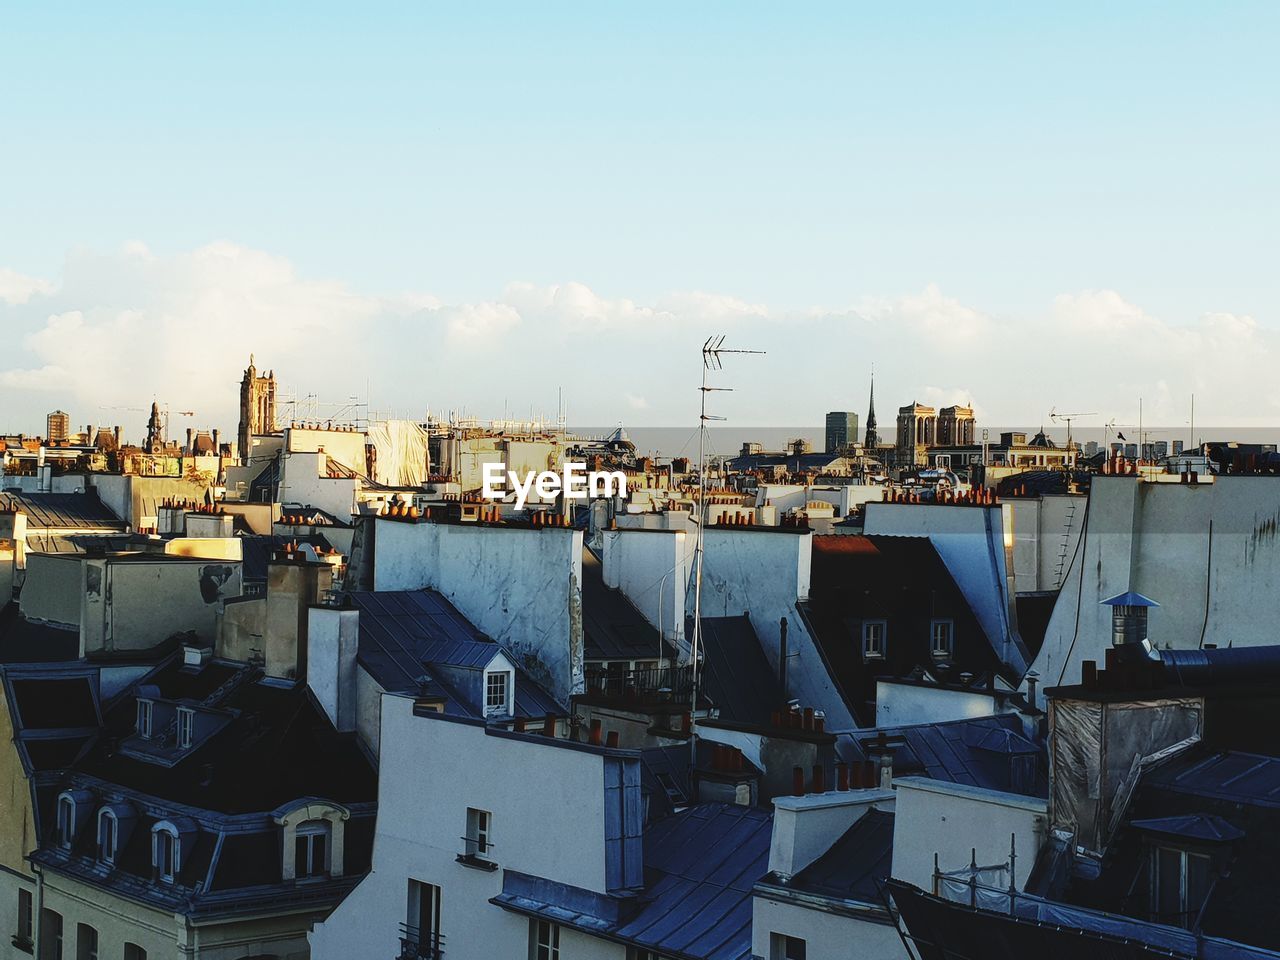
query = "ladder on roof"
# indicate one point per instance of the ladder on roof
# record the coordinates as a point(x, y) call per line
point(1066, 539)
point(237, 679)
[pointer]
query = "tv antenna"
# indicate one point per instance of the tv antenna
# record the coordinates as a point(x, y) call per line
point(1067, 418)
point(713, 350)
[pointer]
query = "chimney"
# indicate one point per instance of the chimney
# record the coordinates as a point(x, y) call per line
point(292, 587)
point(805, 826)
point(191, 441)
point(1129, 624)
point(217, 447)
point(116, 433)
point(782, 658)
point(333, 638)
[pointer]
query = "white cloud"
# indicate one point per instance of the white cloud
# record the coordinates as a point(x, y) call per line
point(122, 327)
point(16, 288)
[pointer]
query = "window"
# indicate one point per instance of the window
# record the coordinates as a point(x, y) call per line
point(50, 935)
point(66, 822)
point(941, 637)
point(186, 723)
point(311, 850)
point(639, 953)
point(782, 947)
point(144, 719)
point(134, 952)
point(164, 854)
point(422, 931)
point(1179, 885)
point(108, 833)
point(544, 940)
point(495, 692)
point(86, 942)
point(477, 839)
point(26, 919)
point(873, 632)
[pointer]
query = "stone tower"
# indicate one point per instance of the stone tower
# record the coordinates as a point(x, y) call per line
point(155, 430)
point(257, 408)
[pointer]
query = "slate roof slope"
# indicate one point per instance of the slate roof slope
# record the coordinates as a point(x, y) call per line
point(976, 752)
point(737, 676)
point(24, 641)
point(905, 582)
point(700, 866)
point(612, 626)
point(855, 864)
point(279, 745)
point(62, 510)
point(256, 549)
point(416, 641)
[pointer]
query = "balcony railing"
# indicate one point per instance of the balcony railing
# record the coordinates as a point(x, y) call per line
point(648, 684)
point(418, 944)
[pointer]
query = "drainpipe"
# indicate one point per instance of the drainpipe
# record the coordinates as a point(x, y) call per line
point(782, 657)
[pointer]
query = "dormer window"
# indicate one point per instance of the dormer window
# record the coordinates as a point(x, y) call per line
point(186, 726)
point(496, 692)
point(108, 835)
point(942, 638)
point(165, 855)
point(144, 719)
point(873, 636)
point(66, 821)
point(314, 835)
point(311, 849)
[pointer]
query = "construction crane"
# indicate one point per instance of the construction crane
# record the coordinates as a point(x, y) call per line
point(1055, 416)
point(164, 414)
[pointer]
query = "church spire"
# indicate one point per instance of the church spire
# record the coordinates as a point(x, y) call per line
point(872, 439)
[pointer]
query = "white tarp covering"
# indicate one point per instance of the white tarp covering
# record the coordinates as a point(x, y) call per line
point(403, 459)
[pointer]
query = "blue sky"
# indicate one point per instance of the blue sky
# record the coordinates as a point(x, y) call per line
point(790, 161)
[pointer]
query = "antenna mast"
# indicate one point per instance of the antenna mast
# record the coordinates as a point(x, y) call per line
point(712, 350)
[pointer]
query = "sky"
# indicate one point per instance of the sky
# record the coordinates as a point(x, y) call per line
point(483, 207)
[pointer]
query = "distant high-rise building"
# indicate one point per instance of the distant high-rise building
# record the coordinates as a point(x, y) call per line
point(57, 426)
point(842, 430)
point(872, 439)
point(257, 407)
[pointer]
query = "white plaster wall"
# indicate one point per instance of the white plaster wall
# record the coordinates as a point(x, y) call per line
point(301, 482)
point(1155, 538)
point(333, 638)
point(1042, 528)
point(652, 570)
point(368, 710)
point(764, 573)
point(51, 590)
point(547, 803)
point(133, 605)
point(953, 819)
point(521, 586)
point(900, 704)
point(827, 936)
point(345, 446)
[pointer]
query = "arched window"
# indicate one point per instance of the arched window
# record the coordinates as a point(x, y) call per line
point(108, 835)
point(313, 839)
point(169, 840)
point(66, 821)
